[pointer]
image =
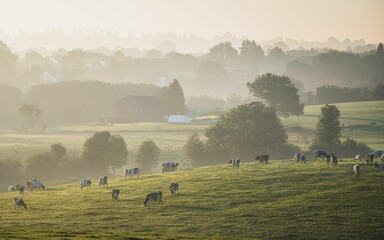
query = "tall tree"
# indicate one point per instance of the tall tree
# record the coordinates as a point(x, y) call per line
point(244, 131)
point(31, 112)
point(173, 99)
point(279, 92)
point(148, 155)
point(327, 129)
point(104, 150)
point(118, 152)
point(194, 149)
point(223, 53)
point(251, 53)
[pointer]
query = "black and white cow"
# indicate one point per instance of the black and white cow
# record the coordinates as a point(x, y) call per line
point(174, 188)
point(21, 189)
point(103, 181)
point(18, 202)
point(379, 166)
point(170, 166)
point(356, 170)
point(85, 183)
point(11, 188)
point(262, 158)
point(369, 158)
point(299, 157)
point(35, 184)
point(155, 196)
point(115, 194)
point(334, 159)
point(131, 172)
point(235, 163)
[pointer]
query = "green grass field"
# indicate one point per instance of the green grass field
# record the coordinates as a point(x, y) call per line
point(171, 138)
point(281, 200)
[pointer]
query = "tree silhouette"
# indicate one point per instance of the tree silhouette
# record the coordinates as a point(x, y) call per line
point(31, 112)
point(327, 129)
point(279, 92)
point(148, 155)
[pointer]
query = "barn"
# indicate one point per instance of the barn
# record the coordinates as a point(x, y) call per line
point(139, 109)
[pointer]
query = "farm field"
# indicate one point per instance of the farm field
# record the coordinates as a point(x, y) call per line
point(171, 138)
point(280, 200)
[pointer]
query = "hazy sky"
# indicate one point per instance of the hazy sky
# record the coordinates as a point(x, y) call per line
point(257, 19)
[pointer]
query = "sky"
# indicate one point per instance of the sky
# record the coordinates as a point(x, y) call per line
point(311, 20)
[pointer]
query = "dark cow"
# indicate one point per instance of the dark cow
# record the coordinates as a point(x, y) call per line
point(174, 188)
point(327, 159)
point(235, 163)
point(103, 181)
point(369, 158)
point(19, 203)
point(155, 196)
point(262, 158)
point(334, 159)
point(319, 153)
point(131, 172)
point(85, 183)
point(170, 166)
point(115, 194)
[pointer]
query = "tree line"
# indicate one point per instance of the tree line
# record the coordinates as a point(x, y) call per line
point(76, 102)
point(221, 64)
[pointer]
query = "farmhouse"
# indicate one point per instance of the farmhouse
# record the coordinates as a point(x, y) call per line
point(139, 108)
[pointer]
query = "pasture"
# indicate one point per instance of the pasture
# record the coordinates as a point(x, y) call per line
point(280, 200)
point(170, 138)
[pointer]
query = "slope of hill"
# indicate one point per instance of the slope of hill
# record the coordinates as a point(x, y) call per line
point(281, 200)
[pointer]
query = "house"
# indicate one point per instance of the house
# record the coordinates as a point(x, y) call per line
point(139, 109)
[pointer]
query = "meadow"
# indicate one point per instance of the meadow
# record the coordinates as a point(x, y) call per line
point(280, 200)
point(170, 138)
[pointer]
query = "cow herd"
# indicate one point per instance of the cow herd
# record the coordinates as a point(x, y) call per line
point(174, 187)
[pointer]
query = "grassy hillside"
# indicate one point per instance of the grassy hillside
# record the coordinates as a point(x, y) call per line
point(281, 200)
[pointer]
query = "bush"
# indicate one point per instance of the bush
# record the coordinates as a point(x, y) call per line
point(350, 148)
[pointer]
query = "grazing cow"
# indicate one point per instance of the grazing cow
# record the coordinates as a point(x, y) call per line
point(262, 158)
point(19, 203)
point(35, 184)
point(296, 157)
point(334, 159)
point(356, 170)
point(357, 157)
point(319, 153)
point(115, 194)
point(103, 181)
point(11, 189)
point(379, 166)
point(328, 159)
point(169, 166)
point(235, 163)
point(299, 157)
point(174, 188)
point(378, 153)
point(85, 183)
point(369, 158)
point(155, 196)
point(131, 172)
point(21, 189)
